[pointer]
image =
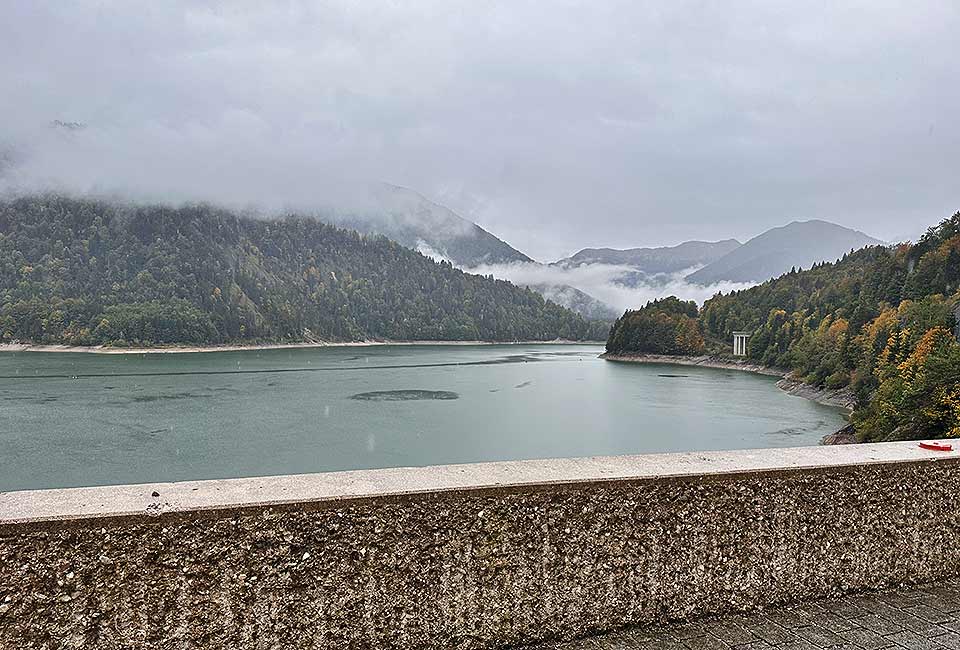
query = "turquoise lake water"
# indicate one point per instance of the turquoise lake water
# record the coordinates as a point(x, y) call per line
point(85, 419)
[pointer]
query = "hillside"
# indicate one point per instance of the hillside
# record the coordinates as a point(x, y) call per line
point(650, 261)
point(414, 221)
point(577, 301)
point(411, 220)
point(881, 321)
point(799, 244)
point(87, 272)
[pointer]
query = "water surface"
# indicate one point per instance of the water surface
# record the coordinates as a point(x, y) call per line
point(84, 419)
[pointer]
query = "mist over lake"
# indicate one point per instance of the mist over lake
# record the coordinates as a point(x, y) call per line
point(87, 419)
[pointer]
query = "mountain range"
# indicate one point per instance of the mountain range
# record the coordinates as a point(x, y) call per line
point(651, 261)
point(412, 220)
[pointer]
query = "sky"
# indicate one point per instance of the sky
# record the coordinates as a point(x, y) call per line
point(555, 125)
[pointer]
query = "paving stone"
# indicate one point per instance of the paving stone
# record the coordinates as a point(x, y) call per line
point(704, 643)
point(731, 634)
point(791, 618)
point(900, 599)
point(847, 609)
point(820, 637)
point(950, 605)
point(949, 640)
point(771, 632)
point(953, 625)
point(878, 624)
point(686, 630)
point(913, 641)
point(928, 613)
point(866, 639)
point(832, 622)
point(922, 618)
point(799, 644)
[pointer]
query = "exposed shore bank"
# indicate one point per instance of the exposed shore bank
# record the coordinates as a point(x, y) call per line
point(841, 398)
point(704, 360)
point(175, 349)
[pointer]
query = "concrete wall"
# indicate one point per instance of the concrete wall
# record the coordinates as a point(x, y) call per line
point(468, 556)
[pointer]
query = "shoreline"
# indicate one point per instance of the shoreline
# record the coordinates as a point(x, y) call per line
point(837, 398)
point(186, 349)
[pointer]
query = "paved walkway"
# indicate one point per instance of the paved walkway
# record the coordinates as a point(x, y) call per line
point(923, 618)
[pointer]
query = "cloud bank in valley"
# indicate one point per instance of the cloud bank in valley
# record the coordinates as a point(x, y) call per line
point(602, 281)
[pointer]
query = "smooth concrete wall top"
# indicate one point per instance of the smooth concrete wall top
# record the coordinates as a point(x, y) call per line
point(73, 504)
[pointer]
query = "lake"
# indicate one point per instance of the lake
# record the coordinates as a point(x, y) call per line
point(69, 419)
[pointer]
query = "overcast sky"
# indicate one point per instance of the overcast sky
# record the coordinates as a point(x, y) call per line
point(556, 125)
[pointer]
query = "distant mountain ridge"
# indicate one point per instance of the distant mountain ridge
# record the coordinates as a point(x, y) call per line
point(664, 259)
point(799, 244)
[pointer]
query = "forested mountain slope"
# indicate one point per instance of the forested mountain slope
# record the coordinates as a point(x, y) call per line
point(409, 218)
point(90, 272)
point(882, 321)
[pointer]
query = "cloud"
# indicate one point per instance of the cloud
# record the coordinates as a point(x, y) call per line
point(604, 282)
point(594, 123)
point(424, 249)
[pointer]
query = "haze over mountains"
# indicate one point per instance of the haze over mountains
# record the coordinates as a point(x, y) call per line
point(412, 220)
point(600, 282)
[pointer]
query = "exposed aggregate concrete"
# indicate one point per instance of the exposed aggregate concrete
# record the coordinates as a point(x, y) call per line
point(477, 570)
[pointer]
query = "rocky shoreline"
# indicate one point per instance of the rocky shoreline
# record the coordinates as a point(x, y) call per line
point(842, 398)
point(704, 360)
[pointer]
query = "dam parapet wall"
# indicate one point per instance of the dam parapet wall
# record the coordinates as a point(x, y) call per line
point(470, 556)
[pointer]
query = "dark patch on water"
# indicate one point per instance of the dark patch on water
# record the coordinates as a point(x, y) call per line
point(404, 395)
point(516, 358)
point(523, 385)
point(32, 399)
point(673, 376)
point(167, 396)
point(789, 431)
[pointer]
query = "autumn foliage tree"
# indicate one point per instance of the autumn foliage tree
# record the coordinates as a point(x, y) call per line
point(665, 326)
point(919, 388)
